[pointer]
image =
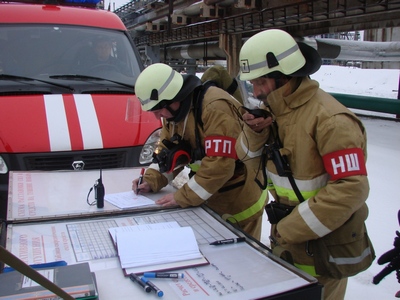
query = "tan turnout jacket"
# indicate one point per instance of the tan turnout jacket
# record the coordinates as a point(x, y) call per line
point(216, 183)
point(313, 124)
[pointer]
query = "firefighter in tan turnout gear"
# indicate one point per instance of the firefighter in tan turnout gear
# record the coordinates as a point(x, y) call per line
point(313, 150)
point(200, 126)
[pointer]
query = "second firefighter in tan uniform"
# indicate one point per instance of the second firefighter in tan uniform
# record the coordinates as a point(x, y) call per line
point(314, 153)
point(208, 120)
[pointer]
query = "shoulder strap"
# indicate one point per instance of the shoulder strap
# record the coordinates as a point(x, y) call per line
point(199, 152)
point(287, 172)
point(198, 100)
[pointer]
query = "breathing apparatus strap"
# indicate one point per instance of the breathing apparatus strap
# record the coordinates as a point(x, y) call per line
point(262, 167)
point(281, 163)
point(232, 87)
point(199, 152)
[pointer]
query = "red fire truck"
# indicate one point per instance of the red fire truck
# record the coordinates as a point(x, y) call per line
point(61, 106)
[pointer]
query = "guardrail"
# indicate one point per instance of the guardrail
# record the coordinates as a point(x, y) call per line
point(383, 105)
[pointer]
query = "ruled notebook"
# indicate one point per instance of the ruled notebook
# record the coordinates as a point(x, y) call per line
point(156, 247)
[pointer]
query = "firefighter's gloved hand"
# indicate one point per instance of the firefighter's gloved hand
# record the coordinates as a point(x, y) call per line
point(392, 257)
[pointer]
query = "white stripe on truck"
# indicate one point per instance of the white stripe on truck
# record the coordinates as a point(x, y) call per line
point(57, 123)
point(90, 128)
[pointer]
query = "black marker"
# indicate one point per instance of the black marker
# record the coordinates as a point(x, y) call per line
point(228, 241)
point(153, 287)
point(137, 279)
point(140, 181)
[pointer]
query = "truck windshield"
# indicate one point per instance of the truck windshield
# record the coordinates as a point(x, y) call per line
point(47, 51)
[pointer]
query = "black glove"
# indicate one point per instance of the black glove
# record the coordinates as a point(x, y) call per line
point(392, 257)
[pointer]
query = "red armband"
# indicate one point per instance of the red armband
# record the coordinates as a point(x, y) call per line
point(345, 163)
point(220, 146)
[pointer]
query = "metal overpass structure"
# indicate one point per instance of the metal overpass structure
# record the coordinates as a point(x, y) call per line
point(186, 30)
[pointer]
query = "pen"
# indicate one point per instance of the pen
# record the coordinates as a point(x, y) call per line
point(137, 279)
point(155, 289)
point(43, 265)
point(228, 241)
point(162, 275)
point(140, 180)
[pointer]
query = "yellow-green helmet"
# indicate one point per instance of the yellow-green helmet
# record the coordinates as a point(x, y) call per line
point(275, 50)
point(157, 83)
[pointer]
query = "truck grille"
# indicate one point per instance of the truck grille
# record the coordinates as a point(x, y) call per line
point(112, 160)
point(93, 159)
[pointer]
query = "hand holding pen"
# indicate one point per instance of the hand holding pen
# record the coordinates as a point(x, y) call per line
point(145, 188)
point(140, 180)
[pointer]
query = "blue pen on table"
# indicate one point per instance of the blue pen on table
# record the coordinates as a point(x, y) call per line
point(137, 279)
point(155, 289)
point(140, 180)
point(228, 241)
point(52, 264)
point(162, 275)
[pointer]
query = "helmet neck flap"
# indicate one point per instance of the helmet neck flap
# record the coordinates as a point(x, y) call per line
point(190, 83)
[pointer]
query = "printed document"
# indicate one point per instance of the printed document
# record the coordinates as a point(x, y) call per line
point(129, 199)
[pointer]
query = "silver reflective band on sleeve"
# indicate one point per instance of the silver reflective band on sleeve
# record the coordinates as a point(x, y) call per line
point(154, 166)
point(169, 177)
point(247, 151)
point(279, 57)
point(160, 90)
point(303, 185)
point(311, 220)
point(198, 189)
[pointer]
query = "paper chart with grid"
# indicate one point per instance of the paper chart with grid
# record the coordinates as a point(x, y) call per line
point(91, 240)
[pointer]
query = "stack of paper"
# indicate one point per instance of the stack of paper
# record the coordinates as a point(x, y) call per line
point(157, 247)
point(153, 247)
point(128, 200)
point(143, 227)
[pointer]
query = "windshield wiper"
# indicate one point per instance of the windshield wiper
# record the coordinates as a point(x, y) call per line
point(86, 77)
point(23, 78)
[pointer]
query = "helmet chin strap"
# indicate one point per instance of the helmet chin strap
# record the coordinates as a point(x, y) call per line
point(174, 113)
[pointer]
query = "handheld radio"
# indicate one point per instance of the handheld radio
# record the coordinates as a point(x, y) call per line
point(99, 191)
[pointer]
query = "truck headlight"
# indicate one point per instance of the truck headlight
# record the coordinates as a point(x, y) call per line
point(3, 166)
point(146, 155)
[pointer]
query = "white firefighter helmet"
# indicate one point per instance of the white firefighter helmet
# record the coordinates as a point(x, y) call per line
point(157, 83)
point(275, 50)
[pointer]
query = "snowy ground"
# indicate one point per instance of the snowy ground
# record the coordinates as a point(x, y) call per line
point(383, 167)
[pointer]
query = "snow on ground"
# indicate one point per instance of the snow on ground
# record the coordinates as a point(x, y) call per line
point(356, 81)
